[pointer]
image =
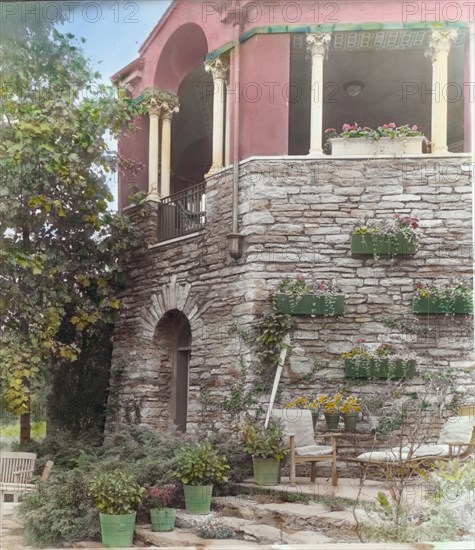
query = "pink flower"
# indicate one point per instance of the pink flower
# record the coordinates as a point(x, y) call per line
point(359, 340)
point(330, 130)
point(391, 125)
point(322, 286)
point(415, 128)
point(346, 127)
point(300, 278)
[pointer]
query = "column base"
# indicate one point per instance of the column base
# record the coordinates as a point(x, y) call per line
point(440, 152)
point(316, 153)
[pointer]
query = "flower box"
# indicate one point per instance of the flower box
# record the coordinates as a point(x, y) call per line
point(381, 369)
point(310, 304)
point(382, 146)
point(435, 304)
point(384, 246)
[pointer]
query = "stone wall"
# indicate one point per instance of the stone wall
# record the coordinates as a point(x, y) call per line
point(297, 217)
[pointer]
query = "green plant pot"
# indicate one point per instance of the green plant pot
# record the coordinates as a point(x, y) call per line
point(310, 304)
point(350, 420)
point(163, 519)
point(198, 498)
point(332, 421)
point(266, 470)
point(434, 304)
point(381, 369)
point(383, 247)
point(117, 530)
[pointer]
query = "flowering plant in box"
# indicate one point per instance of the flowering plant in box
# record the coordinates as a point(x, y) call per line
point(454, 297)
point(378, 362)
point(390, 130)
point(315, 298)
point(386, 234)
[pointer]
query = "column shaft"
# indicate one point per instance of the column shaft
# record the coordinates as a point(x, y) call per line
point(318, 44)
point(439, 49)
point(153, 145)
point(166, 155)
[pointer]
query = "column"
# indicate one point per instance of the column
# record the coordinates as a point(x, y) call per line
point(167, 114)
point(220, 72)
point(317, 44)
point(153, 105)
point(438, 51)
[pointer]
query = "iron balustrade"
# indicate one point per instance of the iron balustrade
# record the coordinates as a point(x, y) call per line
point(182, 213)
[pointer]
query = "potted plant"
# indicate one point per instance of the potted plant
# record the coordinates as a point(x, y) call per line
point(331, 409)
point(382, 363)
point(305, 403)
point(387, 139)
point(116, 495)
point(456, 297)
point(157, 499)
point(199, 466)
point(266, 446)
point(297, 297)
point(349, 410)
point(386, 238)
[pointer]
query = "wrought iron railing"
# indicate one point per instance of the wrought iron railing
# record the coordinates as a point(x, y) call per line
point(182, 213)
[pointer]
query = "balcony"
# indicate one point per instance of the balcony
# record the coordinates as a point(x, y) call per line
point(182, 213)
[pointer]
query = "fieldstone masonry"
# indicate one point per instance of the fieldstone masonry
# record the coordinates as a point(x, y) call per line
point(297, 216)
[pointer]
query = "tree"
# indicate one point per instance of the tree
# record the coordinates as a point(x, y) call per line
point(59, 244)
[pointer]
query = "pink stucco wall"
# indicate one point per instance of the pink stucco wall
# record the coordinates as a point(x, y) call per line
point(264, 117)
point(190, 29)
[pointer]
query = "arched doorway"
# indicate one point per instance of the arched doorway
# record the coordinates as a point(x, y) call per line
point(181, 377)
point(173, 344)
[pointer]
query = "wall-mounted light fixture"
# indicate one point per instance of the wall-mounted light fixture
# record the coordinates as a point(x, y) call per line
point(353, 87)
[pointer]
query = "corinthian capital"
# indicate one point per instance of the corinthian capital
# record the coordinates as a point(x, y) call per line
point(218, 68)
point(168, 110)
point(153, 104)
point(318, 43)
point(441, 42)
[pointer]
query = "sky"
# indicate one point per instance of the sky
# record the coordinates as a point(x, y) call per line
point(114, 32)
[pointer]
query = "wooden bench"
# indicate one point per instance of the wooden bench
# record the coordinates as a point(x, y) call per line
point(16, 472)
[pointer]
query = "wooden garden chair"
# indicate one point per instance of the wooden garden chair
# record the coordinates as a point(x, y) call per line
point(298, 427)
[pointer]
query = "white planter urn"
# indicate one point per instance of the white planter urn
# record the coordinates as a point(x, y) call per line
point(371, 148)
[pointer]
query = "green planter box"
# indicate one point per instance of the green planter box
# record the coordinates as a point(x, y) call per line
point(382, 369)
point(365, 244)
point(428, 305)
point(310, 304)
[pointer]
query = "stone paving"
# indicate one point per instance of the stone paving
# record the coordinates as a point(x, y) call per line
point(260, 524)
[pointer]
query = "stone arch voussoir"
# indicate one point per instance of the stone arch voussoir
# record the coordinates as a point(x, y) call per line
point(173, 295)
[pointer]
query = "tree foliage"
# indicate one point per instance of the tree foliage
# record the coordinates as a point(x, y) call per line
point(59, 243)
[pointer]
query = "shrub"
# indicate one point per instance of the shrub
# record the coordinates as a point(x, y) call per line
point(62, 511)
point(201, 464)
